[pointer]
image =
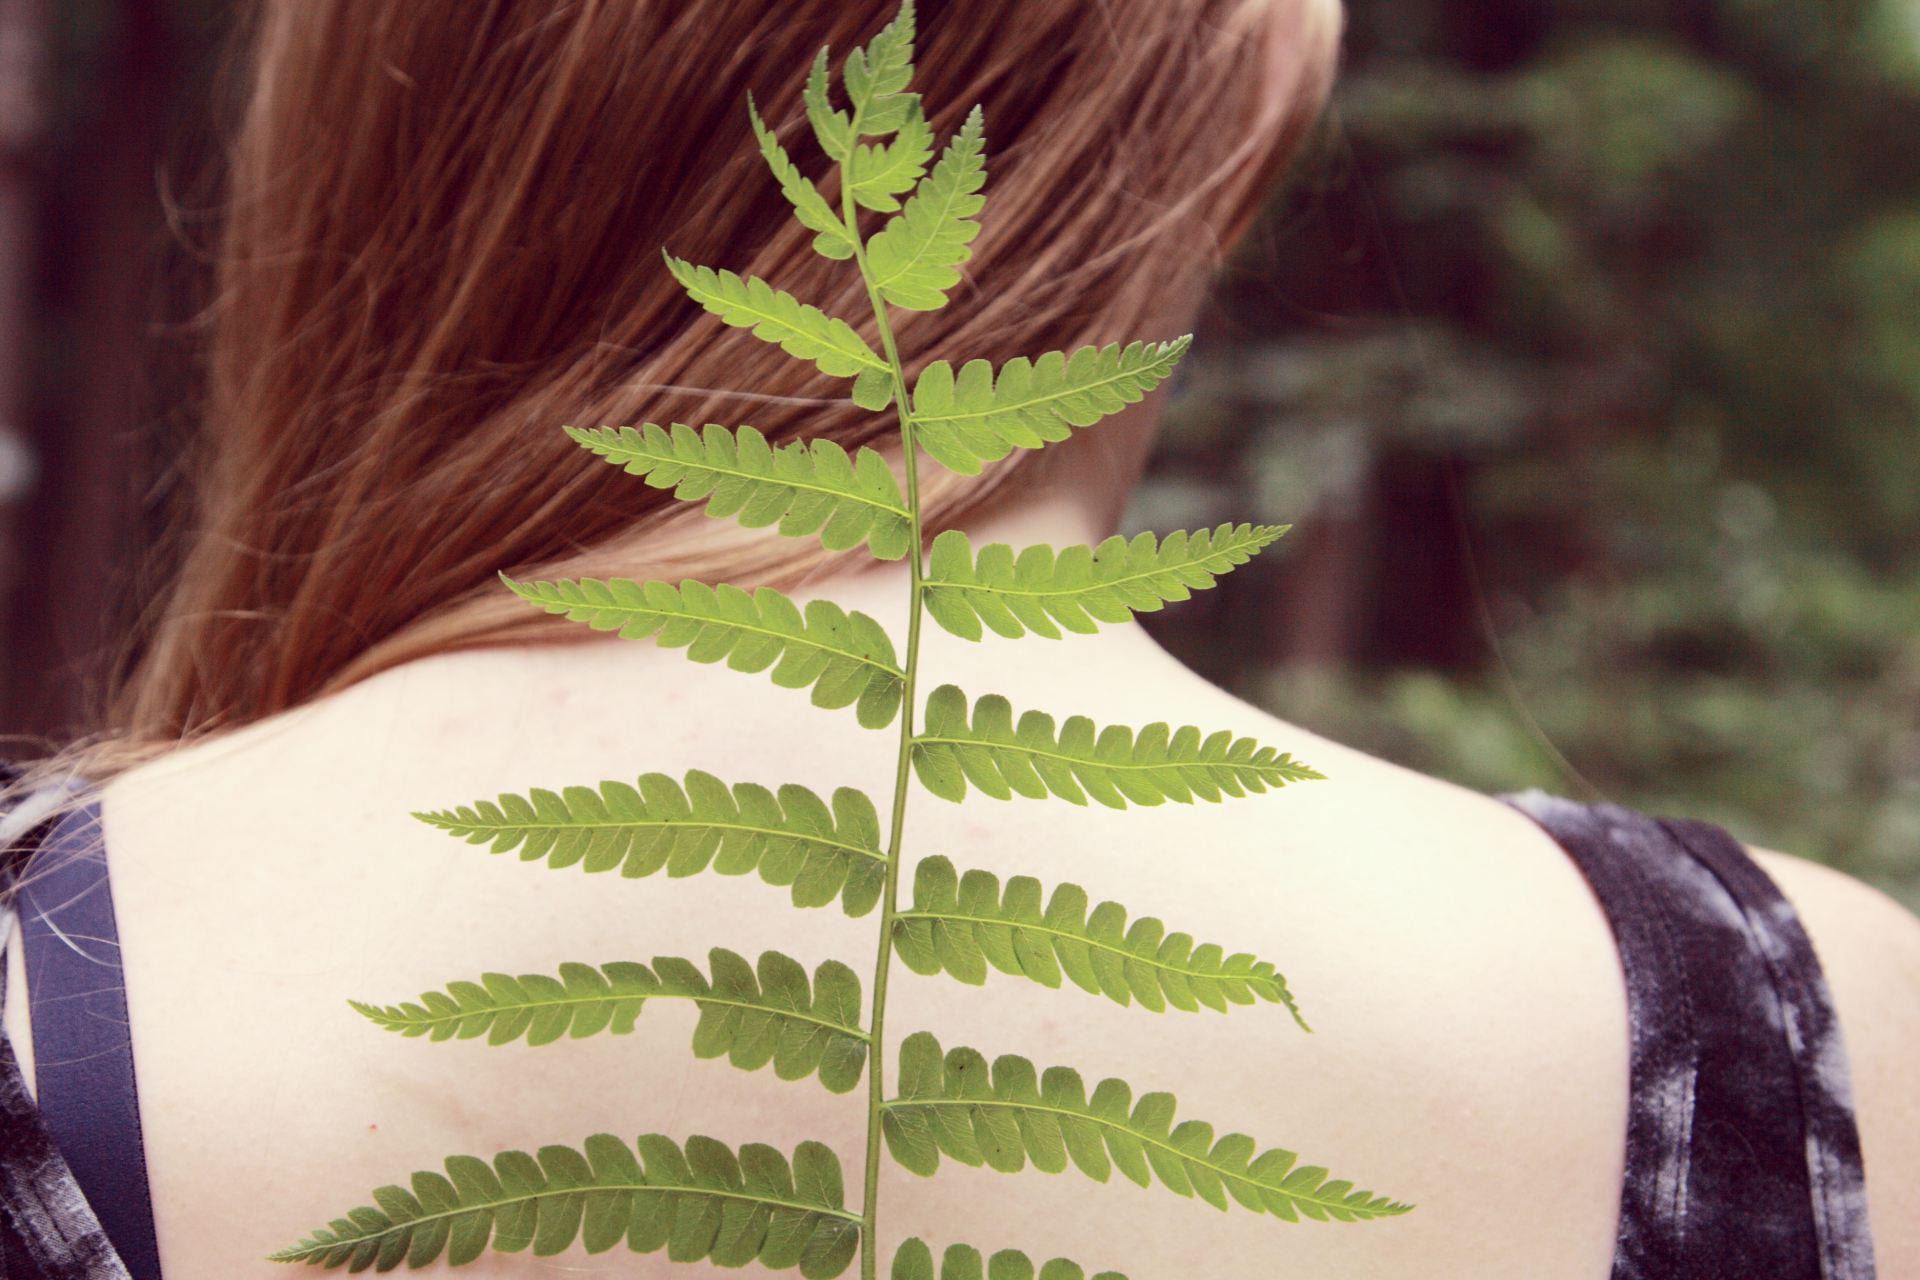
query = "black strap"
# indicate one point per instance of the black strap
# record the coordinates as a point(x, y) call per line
point(1742, 1157)
point(47, 1229)
point(83, 1051)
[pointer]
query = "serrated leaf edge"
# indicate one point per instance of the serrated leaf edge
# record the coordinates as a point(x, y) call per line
point(1165, 354)
point(651, 448)
point(396, 1018)
point(1236, 762)
point(1146, 1138)
point(1226, 547)
point(327, 1240)
point(1269, 986)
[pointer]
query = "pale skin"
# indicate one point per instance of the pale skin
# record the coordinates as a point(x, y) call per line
point(1470, 1050)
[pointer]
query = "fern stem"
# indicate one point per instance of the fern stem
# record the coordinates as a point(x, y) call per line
point(903, 771)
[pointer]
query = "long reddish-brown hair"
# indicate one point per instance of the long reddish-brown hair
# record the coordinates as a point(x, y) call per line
point(442, 241)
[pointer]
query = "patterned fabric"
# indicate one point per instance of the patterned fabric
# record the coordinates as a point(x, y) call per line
point(83, 1056)
point(47, 1230)
point(1743, 1160)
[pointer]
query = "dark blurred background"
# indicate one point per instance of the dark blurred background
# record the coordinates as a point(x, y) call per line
point(1583, 353)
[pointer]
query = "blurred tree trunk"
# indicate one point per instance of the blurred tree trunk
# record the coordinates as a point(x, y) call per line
point(23, 44)
point(100, 235)
point(1320, 600)
point(1424, 607)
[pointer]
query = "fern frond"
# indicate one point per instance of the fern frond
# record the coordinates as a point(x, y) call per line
point(789, 837)
point(911, 261)
point(751, 1016)
point(1113, 765)
point(831, 237)
point(798, 328)
point(845, 658)
point(879, 172)
point(1079, 587)
point(953, 1105)
point(962, 924)
point(963, 420)
point(810, 488)
point(703, 1202)
point(914, 1261)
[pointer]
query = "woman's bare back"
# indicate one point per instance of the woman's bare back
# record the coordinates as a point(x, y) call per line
point(1470, 1045)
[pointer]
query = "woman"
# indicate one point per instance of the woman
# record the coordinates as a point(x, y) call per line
point(443, 242)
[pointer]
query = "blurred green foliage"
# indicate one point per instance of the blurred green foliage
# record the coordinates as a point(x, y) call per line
point(1586, 355)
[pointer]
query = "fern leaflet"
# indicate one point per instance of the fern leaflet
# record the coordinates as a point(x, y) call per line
point(914, 1261)
point(1113, 765)
point(810, 488)
point(953, 1105)
point(798, 328)
point(877, 173)
point(1079, 587)
point(830, 126)
point(789, 837)
point(845, 658)
point(701, 1203)
point(973, 417)
point(913, 258)
point(962, 924)
point(876, 76)
point(750, 1016)
point(831, 237)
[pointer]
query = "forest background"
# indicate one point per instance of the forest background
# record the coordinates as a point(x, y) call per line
point(1583, 352)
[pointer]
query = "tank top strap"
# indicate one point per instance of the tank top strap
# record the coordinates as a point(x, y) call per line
point(83, 1050)
point(1742, 1155)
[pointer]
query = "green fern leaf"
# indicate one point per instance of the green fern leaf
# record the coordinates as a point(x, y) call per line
point(831, 238)
point(845, 658)
point(809, 488)
point(911, 261)
point(1079, 587)
point(830, 126)
point(798, 328)
point(879, 172)
point(973, 417)
point(962, 924)
point(789, 837)
point(702, 1203)
point(1113, 765)
point(877, 75)
point(953, 1105)
point(751, 1017)
point(914, 1261)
